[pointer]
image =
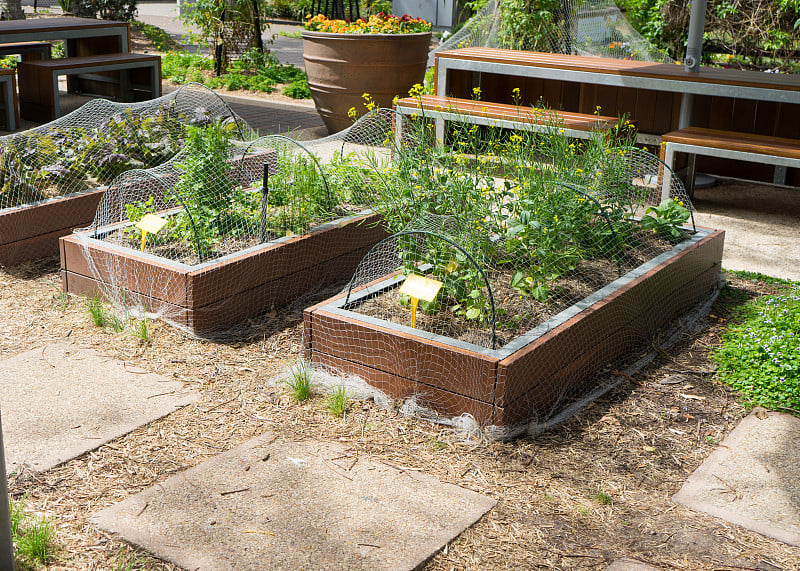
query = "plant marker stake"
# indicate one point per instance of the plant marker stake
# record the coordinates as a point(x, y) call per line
point(6, 541)
point(149, 223)
point(419, 288)
point(414, 302)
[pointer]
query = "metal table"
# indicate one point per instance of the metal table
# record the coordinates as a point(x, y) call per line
point(80, 35)
point(665, 77)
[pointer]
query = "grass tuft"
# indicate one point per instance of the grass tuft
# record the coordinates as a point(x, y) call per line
point(34, 536)
point(142, 331)
point(97, 312)
point(602, 498)
point(337, 402)
point(299, 381)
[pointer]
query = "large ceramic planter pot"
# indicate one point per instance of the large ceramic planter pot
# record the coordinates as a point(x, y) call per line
point(342, 67)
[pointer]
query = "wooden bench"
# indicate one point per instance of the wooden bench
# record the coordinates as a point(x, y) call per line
point(500, 115)
point(136, 77)
point(8, 89)
point(29, 51)
point(695, 141)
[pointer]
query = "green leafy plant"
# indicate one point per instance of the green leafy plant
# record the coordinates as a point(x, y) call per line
point(299, 381)
point(667, 219)
point(602, 497)
point(760, 354)
point(337, 401)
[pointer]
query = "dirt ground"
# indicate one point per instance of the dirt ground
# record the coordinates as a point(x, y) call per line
point(590, 491)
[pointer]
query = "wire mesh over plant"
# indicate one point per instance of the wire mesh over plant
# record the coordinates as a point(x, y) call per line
point(232, 223)
point(90, 146)
point(52, 176)
point(512, 237)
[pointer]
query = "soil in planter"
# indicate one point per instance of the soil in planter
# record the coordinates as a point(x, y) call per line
point(515, 314)
point(181, 252)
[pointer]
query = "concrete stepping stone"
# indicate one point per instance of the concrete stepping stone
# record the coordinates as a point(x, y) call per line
point(61, 400)
point(275, 504)
point(753, 478)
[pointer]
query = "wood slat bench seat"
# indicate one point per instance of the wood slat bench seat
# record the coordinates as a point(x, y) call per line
point(694, 141)
point(8, 89)
point(29, 51)
point(137, 77)
point(500, 115)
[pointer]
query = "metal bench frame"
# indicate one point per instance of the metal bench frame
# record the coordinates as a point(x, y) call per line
point(692, 149)
point(124, 78)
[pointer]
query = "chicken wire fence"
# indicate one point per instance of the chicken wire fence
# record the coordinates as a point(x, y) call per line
point(489, 254)
point(226, 230)
point(85, 150)
point(582, 27)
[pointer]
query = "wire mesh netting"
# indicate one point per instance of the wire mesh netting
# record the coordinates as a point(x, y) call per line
point(582, 27)
point(499, 239)
point(85, 150)
point(227, 229)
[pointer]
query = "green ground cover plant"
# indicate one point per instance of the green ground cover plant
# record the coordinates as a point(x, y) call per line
point(299, 381)
point(760, 351)
point(253, 71)
point(162, 41)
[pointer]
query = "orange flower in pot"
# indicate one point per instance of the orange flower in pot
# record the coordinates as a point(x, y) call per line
point(383, 55)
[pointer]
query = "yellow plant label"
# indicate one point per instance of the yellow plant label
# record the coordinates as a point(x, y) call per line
point(420, 287)
point(151, 223)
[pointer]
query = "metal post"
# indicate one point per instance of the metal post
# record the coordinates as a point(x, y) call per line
point(264, 193)
point(694, 51)
point(6, 541)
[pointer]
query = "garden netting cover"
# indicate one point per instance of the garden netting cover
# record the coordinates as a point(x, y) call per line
point(82, 152)
point(227, 230)
point(499, 243)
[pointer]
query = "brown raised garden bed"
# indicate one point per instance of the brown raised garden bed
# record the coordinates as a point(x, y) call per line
point(218, 294)
point(32, 231)
point(526, 377)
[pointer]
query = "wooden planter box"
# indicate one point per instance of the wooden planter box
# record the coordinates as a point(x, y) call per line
point(32, 230)
point(215, 295)
point(529, 375)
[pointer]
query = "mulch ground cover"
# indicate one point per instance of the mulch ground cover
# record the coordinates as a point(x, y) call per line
point(590, 491)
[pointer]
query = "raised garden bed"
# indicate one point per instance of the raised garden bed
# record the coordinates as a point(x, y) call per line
point(218, 294)
point(525, 378)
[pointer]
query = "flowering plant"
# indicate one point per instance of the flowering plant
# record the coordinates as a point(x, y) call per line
point(376, 24)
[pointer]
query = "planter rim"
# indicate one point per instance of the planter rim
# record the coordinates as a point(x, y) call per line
point(352, 36)
point(86, 234)
point(336, 306)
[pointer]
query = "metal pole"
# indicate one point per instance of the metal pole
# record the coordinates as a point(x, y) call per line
point(694, 50)
point(6, 541)
point(264, 195)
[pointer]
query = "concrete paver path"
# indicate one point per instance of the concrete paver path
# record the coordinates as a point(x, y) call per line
point(61, 400)
point(753, 478)
point(275, 504)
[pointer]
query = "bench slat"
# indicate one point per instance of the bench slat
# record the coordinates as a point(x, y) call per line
point(744, 142)
point(503, 111)
point(91, 61)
